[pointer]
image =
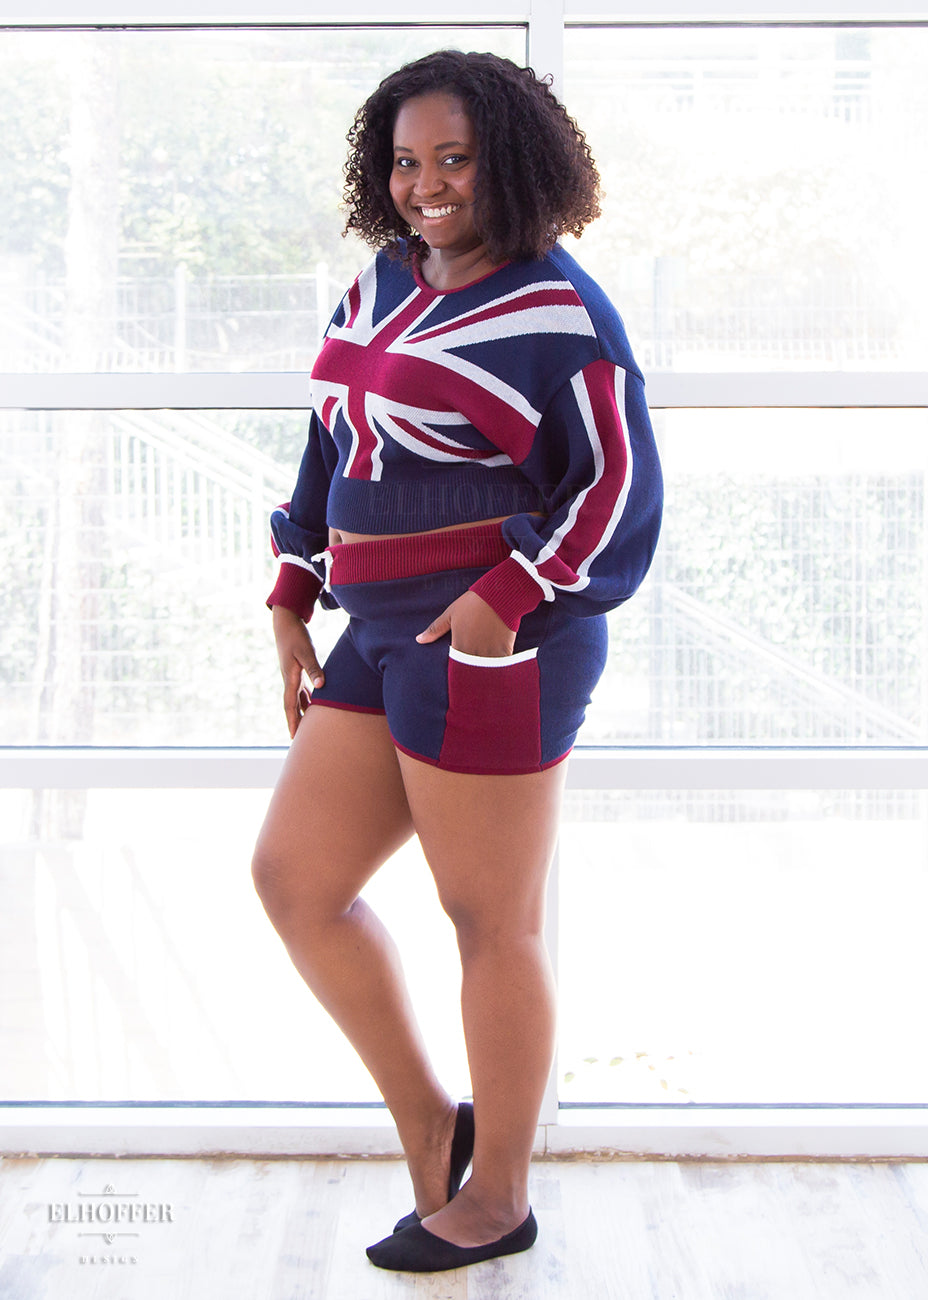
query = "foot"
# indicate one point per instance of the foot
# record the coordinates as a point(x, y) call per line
point(416, 1250)
point(471, 1220)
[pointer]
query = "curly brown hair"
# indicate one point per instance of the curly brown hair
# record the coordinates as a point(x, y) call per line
point(536, 178)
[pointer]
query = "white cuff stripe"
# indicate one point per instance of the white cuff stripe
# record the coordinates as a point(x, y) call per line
point(298, 561)
point(530, 569)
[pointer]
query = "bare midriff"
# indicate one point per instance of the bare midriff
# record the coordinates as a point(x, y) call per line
point(338, 537)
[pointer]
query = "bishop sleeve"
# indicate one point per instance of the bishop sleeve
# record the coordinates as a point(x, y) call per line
point(299, 530)
point(595, 460)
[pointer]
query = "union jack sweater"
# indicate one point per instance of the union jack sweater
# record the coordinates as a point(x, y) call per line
point(516, 395)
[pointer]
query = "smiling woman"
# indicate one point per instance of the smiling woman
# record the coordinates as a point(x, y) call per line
point(480, 485)
point(534, 178)
point(433, 186)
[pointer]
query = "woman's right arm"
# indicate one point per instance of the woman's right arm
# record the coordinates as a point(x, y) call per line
point(298, 532)
point(297, 656)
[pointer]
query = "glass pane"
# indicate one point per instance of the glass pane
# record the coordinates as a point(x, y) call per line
point(765, 192)
point(171, 198)
point(786, 604)
point(750, 946)
point(137, 962)
point(136, 565)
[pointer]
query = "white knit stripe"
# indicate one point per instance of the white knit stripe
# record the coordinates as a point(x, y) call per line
point(618, 510)
point(560, 318)
point(355, 443)
point(371, 407)
point(549, 550)
point(546, 586)
point(453, 454)
point(298, 561)
point(435, 352)
point(323, 391)
point(542, 286)
point(425, 419)
point(364, 330)
point(485, 661)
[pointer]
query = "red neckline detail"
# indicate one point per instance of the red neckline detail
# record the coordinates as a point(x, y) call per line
point(427, 288)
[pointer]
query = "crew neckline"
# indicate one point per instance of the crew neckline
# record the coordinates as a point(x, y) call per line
point(428, 288)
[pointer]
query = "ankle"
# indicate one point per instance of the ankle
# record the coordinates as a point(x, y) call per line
point(427, 1129)
point(502, 1206)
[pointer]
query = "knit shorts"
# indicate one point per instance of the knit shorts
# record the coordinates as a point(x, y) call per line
point(461, 712)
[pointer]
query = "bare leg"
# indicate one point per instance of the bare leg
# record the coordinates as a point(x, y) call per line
point(489, 841)
point(338, 813)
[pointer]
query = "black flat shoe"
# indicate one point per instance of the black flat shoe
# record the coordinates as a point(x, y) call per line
point(416, 1250)
point(462, 1150)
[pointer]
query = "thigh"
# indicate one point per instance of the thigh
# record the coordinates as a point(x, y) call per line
point(489, 841)
point(338, 812)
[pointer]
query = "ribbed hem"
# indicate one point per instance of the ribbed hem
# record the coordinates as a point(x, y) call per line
point(390, 558)
point(296, 588)
point(510, 591)
point(480, 771)
point(317, 703)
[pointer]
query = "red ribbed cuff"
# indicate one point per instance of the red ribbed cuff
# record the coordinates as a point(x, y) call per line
point(510, 591)
point(296, 588)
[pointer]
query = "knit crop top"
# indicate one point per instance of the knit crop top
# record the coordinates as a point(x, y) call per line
point(515, 396)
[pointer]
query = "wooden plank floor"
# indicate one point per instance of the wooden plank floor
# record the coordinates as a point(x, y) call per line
point(296, 1230)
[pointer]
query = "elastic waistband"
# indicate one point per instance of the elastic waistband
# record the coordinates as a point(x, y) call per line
point(480, 547)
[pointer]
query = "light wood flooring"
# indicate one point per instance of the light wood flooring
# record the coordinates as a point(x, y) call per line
point(296, 1229)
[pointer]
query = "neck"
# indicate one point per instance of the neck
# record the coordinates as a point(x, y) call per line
point(442, 270)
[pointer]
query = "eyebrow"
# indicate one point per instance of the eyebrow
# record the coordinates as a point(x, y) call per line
point(448, 144)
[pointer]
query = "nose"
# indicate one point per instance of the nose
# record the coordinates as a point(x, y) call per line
point(429, 181)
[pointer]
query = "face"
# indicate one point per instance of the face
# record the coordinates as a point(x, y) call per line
point(432, 183)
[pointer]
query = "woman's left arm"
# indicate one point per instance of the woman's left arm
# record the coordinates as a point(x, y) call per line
point(595, 462)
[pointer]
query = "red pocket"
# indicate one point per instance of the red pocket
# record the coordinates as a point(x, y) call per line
point(493, 723)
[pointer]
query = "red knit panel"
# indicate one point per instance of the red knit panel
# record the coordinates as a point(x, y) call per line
point(493, 723)
point(296, 588)
point(510, 591)
point(389, 558)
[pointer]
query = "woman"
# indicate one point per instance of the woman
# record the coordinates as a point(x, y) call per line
point(479, 486)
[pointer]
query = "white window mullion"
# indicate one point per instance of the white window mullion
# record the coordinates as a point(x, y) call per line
point(289, 390)
point(546, 42)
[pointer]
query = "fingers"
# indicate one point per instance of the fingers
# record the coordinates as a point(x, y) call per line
point(299, 666)
point(314, 674)
point(301, 678)
point(293, 704)
point(475, 628)
point(440, 627)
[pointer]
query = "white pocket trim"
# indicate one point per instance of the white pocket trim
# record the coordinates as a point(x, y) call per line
point(492, 661)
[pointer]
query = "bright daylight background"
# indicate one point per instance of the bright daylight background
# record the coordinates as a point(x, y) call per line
point(170, 203)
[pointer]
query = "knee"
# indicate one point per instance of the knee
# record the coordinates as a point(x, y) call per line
point(294, 893)
point(280, 883)
point(487, 928)
point(268, 875)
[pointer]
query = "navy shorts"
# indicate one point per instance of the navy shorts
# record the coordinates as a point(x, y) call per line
point(464, 713)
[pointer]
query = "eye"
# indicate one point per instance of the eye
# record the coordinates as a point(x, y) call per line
point(404, 164)
point(454, 158)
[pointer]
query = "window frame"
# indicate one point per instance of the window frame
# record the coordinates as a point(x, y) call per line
point(813, 1130)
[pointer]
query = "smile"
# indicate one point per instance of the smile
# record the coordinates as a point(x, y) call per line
point(440, 212)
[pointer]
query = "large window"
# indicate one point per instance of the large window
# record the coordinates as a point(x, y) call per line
point(764, 187)
point(169, 254)
point(175, 195)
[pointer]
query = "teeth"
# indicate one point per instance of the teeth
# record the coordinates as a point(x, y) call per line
point(440, 212)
